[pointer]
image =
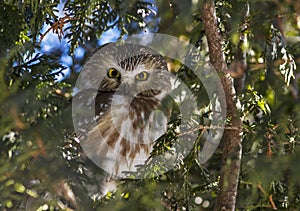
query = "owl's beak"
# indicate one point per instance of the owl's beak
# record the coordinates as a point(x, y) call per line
point(126, 86)
point(126, 89)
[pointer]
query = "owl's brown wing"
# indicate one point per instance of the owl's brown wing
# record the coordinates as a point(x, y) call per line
point(96, 104)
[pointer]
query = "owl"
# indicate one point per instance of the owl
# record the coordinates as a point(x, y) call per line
point(118, 113)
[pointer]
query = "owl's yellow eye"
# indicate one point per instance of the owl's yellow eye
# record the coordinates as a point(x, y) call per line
point(142, 76)
point(113, 73)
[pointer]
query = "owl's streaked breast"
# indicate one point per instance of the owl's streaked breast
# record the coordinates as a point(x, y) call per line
point(128, 132)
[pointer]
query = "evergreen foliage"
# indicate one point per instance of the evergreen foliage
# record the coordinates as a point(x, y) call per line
point(40, 162)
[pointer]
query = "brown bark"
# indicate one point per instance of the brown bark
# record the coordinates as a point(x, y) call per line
point(231, 159)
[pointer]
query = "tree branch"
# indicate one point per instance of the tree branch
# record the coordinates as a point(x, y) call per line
point(232, 151)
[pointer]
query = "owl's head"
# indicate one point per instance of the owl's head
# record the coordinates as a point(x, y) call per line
point(133, 70)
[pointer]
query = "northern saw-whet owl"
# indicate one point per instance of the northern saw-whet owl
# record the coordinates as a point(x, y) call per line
point(118, 111)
